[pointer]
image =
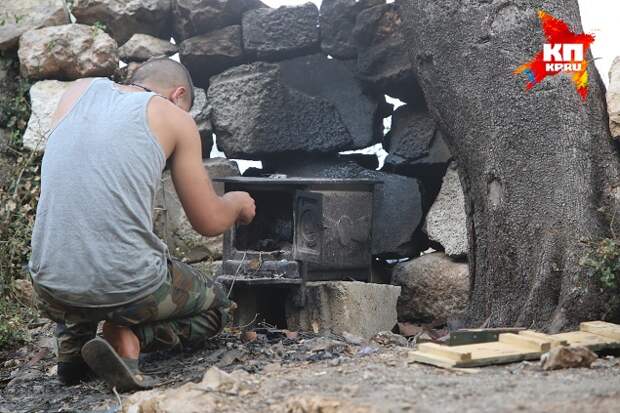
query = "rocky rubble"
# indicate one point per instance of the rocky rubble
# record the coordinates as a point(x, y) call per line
point(67, 52)
point(141, 47)
point(18, 17)
point(123, 19)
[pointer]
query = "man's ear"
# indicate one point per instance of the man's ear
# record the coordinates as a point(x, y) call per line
point(181, 94)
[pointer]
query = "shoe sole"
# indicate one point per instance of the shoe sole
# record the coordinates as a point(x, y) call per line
point(106, 363)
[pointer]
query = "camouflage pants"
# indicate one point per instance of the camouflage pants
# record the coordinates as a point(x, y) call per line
point(186, 309)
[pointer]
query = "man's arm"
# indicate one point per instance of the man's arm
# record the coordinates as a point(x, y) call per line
point(208, 213)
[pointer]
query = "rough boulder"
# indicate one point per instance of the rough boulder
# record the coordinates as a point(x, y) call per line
point(20, 16)
point(282, 33)
point(311, 104)
point(126, 18)
point(67, 52)
point(212, 53)
point(433, 288)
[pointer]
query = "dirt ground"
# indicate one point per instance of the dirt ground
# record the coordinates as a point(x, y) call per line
point(309, 374)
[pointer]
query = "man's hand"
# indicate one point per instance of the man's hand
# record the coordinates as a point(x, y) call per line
point(246, 205)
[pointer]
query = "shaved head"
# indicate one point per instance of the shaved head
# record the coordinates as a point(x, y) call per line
point(164, 76)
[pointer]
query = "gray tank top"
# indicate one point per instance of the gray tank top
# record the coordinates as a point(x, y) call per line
point(93, 243)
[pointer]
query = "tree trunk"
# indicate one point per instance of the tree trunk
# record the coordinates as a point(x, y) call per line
point(539, 170)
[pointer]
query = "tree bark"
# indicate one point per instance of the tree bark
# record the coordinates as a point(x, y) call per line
point(540, 173)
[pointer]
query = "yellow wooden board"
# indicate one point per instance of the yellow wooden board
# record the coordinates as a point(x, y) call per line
point(527, 345)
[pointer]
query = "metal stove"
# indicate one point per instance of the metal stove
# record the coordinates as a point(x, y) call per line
point(305, 229)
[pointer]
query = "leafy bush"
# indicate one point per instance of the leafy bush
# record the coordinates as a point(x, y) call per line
point(603, 259)
point(19, 194)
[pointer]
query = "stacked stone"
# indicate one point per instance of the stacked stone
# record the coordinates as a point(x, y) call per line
point(288, 86)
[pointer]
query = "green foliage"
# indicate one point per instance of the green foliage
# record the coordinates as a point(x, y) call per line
point(14, 318)
point(98, 26)
point(15, 111)
point(603, 259)
point(19, 193)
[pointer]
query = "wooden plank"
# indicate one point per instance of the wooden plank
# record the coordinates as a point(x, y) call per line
point(601, 328)
point(555, 342)
point(451, 353)
point(592, 341)
point(527, 343)
point(478, 335)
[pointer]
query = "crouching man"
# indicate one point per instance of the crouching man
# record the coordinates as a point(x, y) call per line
point(94, 254)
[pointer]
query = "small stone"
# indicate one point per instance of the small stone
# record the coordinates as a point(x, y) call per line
point(17, 17)
point(389, 339)
point(446, 221)
point(122, 19)
point(383, 53)
point(567, 357)
point(67, 52)
point(141, 47)
point(208, 54)
point(434, 287)
point(415, 143)
point(337, 22)
point(201, 112)
point(282, 33)
point(613, 98)
point(195, 17)
point(44, 98)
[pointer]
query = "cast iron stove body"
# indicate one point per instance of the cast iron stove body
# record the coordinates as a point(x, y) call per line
point(305, 229)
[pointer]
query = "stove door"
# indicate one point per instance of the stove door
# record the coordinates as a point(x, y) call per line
point(309, 230)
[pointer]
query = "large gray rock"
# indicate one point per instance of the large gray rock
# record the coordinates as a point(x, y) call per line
point(201, 112)
point(67, 52)
point(282, 33)
point(383, 61)
point(212, 53)
point(446, 220)
point(397, 210)
point(18, 17)
point(44, 97)
point(613, 98)
point(256, 114)
point(310, 104)
point(141, 47)
point(415, 141)
point(337, 21)
point(433, 288)
point(126, 18)
point(333, 80)
point(358, 308)
point(171, 224)
point(194, 17)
